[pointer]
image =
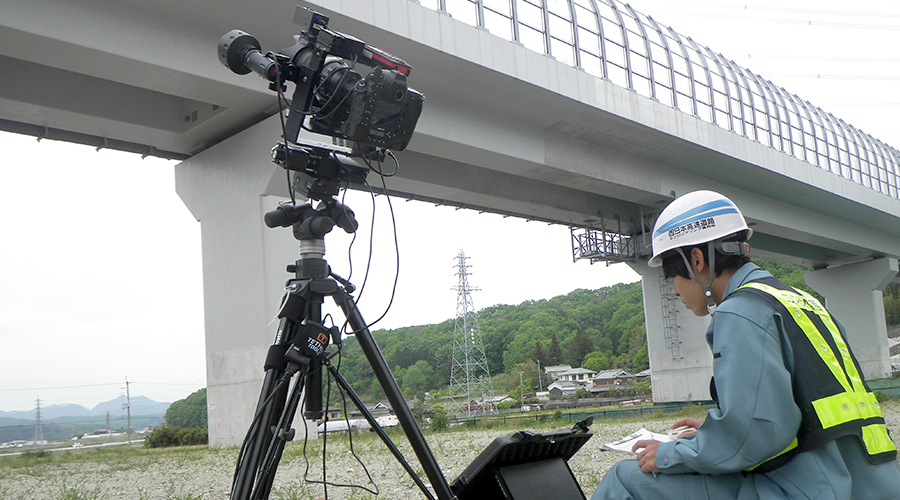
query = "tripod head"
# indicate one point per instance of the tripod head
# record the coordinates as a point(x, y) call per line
point(310, 223)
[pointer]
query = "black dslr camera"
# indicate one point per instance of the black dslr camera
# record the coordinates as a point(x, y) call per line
point(378, 110)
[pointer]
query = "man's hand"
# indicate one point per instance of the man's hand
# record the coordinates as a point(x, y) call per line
point(688, 426)
point(646, 454)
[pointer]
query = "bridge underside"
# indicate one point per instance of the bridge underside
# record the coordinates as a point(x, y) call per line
point(504, 129)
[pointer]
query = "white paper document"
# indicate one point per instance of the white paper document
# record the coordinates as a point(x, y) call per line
point(626, 443)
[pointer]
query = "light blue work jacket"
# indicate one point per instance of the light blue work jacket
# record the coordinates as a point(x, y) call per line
point(756, 419)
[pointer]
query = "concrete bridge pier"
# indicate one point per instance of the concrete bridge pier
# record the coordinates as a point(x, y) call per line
point(853, 294)
point(680, 359)
point(228, 188)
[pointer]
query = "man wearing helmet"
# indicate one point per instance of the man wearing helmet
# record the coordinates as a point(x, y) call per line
point(794, 418)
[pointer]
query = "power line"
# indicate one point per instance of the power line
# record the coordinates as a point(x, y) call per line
point(861, 105)
point(57, 387)
point(840, 13)
point(797, 22)
point(62, 394)
point(880, 60)
point(51, 388)
point(820, 76)
point(785, 20)
point(768, 8)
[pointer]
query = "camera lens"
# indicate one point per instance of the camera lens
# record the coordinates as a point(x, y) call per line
point(233, 49)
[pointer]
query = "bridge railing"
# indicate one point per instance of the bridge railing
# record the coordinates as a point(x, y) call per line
point(611, 40)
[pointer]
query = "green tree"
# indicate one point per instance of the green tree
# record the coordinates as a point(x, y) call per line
point(166, 436)
point(416, 378)
point(440, 420)
point(640, 360)
point(789, 274)
point(554, 352)
point(891, 296)
point(596, 361)
point(188, 412)
point(539, 351)
point(580, 347)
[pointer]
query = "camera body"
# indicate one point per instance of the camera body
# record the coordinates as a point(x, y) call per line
point(377, 110)
point(381, 111)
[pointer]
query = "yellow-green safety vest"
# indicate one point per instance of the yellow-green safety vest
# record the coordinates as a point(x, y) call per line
point(829, 389)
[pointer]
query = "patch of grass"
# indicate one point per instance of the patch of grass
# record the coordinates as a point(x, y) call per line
point(79, 493)
point(114, 457)
point(292, 492)
point(173, 493)
point(689, 411)
point(184, 455)
point(34, 463)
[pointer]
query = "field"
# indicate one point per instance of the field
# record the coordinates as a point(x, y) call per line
point(193, 473)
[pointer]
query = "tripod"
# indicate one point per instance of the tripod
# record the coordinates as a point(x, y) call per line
point(299, 352)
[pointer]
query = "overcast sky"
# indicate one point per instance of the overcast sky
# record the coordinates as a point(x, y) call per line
point(100, 260)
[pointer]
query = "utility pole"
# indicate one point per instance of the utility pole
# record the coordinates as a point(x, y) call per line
point(127, 407)
point(521, 392)
point(540, 383)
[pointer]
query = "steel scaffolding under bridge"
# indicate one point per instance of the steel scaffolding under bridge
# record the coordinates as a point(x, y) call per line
point(596, 242)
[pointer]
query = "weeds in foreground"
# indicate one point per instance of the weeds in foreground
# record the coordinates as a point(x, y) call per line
point(179, 494)
point(36, 462)
point(292, 492)
point(79, 493)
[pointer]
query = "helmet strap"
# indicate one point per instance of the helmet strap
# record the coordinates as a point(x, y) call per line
point(711, 264)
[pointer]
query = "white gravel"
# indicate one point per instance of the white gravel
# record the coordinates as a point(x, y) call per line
point(206, 474)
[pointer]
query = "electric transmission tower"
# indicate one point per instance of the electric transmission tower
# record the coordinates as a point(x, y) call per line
point(470, 380)
point(38, 429)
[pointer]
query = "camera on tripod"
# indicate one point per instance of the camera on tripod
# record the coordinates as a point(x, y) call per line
point(378, 110)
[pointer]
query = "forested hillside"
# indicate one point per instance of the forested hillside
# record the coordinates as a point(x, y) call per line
point(605, 325)
point(597, 329)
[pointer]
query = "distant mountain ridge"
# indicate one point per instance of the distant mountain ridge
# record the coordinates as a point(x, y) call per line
point(140, 405)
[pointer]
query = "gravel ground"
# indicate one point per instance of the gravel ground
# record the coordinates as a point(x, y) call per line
point(206, 474)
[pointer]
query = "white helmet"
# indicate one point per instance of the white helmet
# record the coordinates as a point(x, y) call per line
point(695, 218)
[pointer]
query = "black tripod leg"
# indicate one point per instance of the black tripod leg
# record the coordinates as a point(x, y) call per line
point(376, 427)
point(395, 397)
point(268, 408)
point(256, 440)
point(281, 433)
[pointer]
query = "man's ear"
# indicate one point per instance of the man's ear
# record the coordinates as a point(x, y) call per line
point(697, 261)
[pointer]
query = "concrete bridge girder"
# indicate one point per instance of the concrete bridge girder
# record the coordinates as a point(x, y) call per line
point(146, 71)
point(504, 129)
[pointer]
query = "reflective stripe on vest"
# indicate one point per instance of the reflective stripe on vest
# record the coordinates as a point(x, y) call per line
point(877, 439)
point(856, 403)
